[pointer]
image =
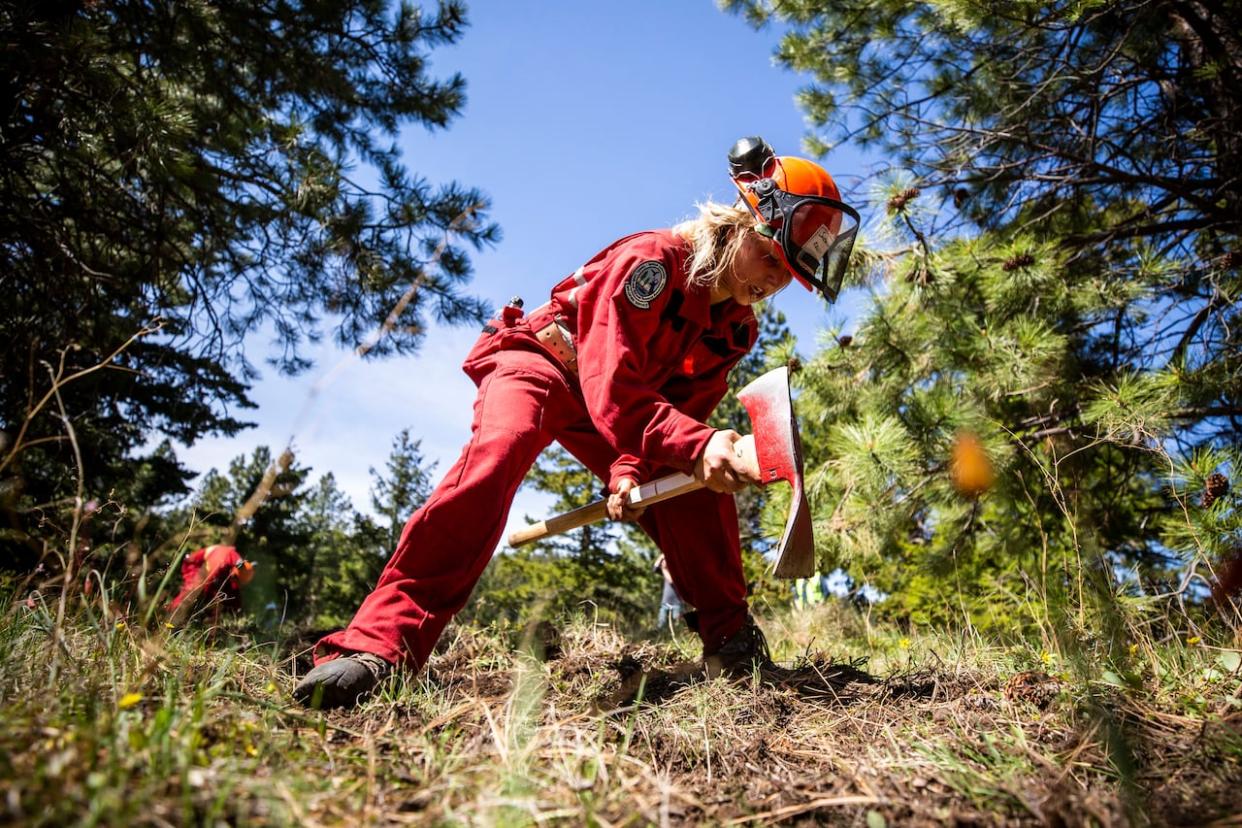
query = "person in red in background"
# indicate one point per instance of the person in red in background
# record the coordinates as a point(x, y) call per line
point(212, 576)
point(621, 367)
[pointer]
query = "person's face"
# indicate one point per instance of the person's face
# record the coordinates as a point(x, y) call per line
point(757, 271)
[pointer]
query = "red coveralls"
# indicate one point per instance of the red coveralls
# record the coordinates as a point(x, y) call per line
point(653, 356)
point(207, 572)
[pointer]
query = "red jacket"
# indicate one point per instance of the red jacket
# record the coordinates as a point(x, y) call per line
point(653, 353)
point(208, 571)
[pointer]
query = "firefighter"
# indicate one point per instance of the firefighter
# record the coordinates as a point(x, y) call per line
point(214, 577)
point(810, 592)
point(621, 366)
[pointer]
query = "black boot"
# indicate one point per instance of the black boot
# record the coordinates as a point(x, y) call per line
point(741, 654)
point(342, 682)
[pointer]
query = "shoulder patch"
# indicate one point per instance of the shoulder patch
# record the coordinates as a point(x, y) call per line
point(645, 284)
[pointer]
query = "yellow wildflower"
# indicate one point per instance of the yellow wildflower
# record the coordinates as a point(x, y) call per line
point(1193, 640)
point(129, 700)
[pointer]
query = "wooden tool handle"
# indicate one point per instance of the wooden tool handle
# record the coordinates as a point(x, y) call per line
point(644, 495)
point(561, 523)
point(663, 489)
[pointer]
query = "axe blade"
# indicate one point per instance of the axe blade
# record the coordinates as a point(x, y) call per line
point(778, 449)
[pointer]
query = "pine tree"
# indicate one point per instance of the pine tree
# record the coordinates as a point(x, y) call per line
point(347, 572)
point(1034, 106)
point(176, 176)
point(396, 496)
point(1053, 273)
point(334, 550)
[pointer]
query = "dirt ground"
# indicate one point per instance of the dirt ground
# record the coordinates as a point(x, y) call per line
point(620, 733)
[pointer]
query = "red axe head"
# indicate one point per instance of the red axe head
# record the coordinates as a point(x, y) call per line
point(778, 450)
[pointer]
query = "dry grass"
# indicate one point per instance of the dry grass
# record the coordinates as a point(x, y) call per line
point(169, 728)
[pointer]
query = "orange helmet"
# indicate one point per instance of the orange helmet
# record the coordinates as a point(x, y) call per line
point(244, 572)
point(799, 207)
point(221, 557)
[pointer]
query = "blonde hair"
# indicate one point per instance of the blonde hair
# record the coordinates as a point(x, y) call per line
point(715, 237)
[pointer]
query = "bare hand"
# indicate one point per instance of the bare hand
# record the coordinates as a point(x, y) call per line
point(619, 507)
point(720, 468)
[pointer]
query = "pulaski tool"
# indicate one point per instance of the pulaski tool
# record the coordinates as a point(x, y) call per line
point(773, 451)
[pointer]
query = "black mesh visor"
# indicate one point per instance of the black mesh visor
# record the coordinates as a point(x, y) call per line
point(816, 235)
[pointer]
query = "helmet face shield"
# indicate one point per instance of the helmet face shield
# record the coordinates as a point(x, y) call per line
point(815, 234)
point(817, 237)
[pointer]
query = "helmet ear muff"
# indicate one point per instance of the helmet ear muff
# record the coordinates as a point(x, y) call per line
point(764, 229)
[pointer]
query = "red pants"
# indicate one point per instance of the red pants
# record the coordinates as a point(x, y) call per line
point(524, 403)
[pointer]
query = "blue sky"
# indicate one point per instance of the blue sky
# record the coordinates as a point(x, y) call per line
point(584, 122)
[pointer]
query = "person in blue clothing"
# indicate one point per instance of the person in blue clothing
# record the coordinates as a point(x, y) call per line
point(670, 601)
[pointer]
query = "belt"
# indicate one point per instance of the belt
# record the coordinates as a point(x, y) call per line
point(554, 336)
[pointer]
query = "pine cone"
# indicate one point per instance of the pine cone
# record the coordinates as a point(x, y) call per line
point(845, 340)
point(960, 196)
point(1033, 687)
point(1232, 259)
point(1216, 486)
point(793, 364)
point(1020, 260)
point(899, 201)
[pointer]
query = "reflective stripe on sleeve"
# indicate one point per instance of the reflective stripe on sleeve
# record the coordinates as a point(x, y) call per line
point(580, 279)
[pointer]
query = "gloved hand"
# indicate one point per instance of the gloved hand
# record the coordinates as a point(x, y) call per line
point(342, 682)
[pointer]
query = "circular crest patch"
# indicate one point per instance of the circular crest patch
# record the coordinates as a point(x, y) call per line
point(645, 284)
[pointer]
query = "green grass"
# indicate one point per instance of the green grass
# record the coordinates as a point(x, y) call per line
point(124, 725)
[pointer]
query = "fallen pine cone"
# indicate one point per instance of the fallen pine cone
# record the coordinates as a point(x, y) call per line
point(1034, 687)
